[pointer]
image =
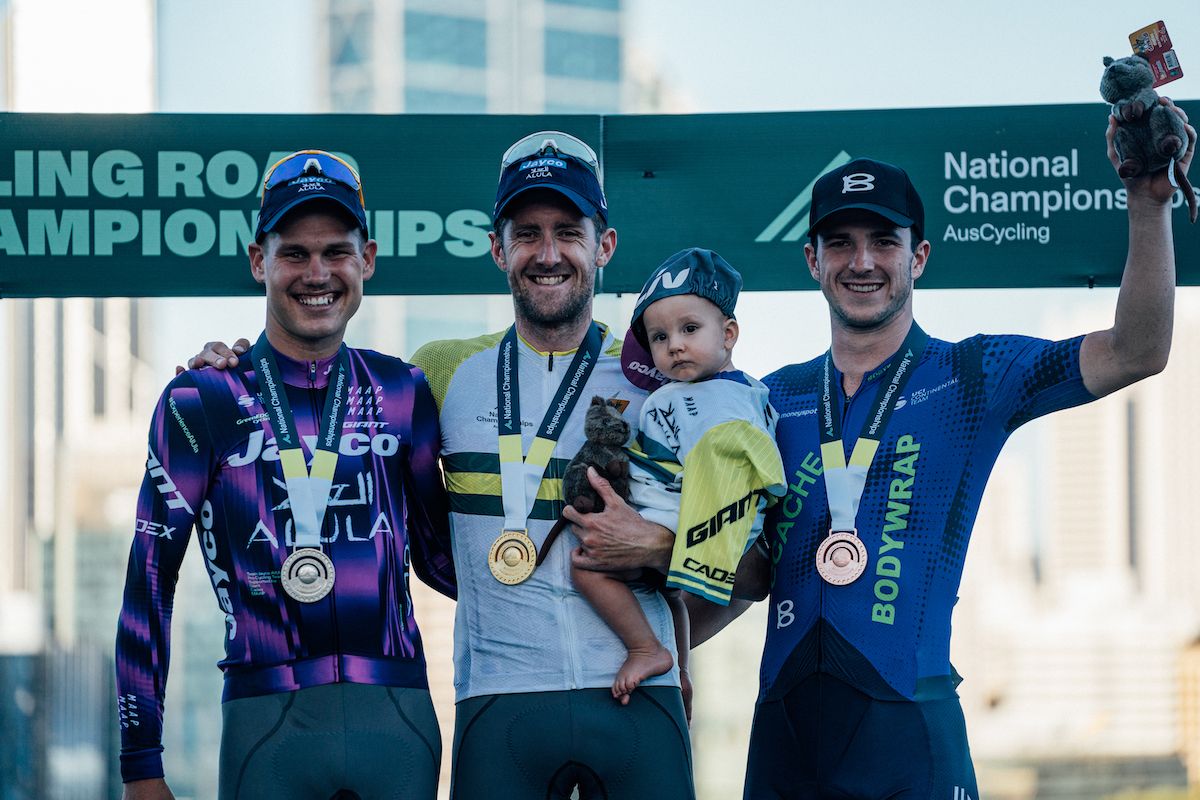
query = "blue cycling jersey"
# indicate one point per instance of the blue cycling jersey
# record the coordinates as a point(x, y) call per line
point(214, 464)
point(888, 633)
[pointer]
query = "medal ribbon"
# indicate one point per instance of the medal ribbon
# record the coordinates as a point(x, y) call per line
point(845, 482)
point(521, 475)
point(307, 490)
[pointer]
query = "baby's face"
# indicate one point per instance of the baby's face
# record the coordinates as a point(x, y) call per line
point(690, 339)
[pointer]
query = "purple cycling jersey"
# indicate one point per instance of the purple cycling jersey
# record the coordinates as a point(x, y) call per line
point(213, 464)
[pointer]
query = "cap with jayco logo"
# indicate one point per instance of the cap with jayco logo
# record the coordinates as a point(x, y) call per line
point(872, 186)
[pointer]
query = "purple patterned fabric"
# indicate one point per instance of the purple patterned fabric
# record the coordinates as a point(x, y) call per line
point(213, 464)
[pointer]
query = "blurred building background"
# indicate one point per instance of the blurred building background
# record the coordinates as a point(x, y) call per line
point(1078, 627)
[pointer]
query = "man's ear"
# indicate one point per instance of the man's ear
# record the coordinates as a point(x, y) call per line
point(607, 246)
point(370, 251)
point(920, 258)
point(497, 241)
point(258, 261)
point(810, 257)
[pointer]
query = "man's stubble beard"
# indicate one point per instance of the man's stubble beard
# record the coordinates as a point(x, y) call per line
point(576, 306)
point(884, 316)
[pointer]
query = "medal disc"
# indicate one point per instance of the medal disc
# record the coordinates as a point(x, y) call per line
point(841, 558)
point(512, 557)
point(307, 575)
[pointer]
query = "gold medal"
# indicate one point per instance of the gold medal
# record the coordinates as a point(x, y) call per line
point(512, 557)
point(841, 558)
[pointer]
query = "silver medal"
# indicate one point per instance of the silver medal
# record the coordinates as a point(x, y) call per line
point(841, 558)
point(307, 575)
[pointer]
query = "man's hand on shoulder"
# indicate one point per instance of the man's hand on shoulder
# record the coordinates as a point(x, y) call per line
point(217, 354)
point(617, 538)
point(149, 789)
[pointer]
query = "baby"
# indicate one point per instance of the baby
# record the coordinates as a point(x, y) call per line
point(710, 422)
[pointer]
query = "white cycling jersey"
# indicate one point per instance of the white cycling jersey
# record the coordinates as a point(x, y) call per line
point(540, 635)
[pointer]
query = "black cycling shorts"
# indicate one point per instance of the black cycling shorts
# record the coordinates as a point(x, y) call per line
point(344, 741)
point(825, 739)
point(542, 745)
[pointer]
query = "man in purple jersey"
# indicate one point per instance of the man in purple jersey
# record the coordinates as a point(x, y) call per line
point(310, 475)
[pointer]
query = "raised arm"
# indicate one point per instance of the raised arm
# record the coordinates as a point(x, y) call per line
point(1137, 344)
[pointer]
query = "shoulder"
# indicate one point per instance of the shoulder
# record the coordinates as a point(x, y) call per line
point(381, 366)
point(794, 378)
point(440, 359)
point(209, 383)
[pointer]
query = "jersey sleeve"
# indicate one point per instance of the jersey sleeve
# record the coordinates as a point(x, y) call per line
point(729, 468)
point(427, 507)
point(179, 462)
point(1033, 377)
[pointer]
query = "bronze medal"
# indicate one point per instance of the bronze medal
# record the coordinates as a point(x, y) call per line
point(841, 558)
point(512, 557)
point(307, 575)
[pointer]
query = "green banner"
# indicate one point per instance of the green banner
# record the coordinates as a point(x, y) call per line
point(164, 205)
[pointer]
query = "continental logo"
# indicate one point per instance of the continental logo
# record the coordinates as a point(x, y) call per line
point(726, 516)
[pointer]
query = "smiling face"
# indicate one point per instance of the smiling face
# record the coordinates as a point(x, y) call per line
point(690, 339)
point(550, 252)
point(313, 266)
point(866, 267)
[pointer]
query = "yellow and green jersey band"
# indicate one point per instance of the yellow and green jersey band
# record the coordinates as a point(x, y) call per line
point(473, 482)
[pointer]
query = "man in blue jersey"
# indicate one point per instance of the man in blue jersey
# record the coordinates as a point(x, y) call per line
point(310, 475)
point(887, 442)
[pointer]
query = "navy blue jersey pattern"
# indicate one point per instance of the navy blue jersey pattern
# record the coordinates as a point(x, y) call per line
point(888, 633)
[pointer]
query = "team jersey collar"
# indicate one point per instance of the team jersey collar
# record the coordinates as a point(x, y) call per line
point(300, 373)
point(872, 376)
point(604, 345)
point(735, 375)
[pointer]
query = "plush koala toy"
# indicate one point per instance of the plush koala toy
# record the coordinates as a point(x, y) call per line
point(605, 432)
point(1149, 135)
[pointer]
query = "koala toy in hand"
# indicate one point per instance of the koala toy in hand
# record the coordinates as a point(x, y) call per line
point(1149, 135)
point(605, 432)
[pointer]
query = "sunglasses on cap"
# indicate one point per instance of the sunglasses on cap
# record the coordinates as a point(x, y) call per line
point(545, 143)
point(312, 163)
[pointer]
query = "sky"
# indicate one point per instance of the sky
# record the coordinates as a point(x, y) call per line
point(776, 55)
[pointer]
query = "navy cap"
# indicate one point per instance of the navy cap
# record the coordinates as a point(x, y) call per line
point(571, 177)
point(873, 186)
point(693, 271)
point(309, 175)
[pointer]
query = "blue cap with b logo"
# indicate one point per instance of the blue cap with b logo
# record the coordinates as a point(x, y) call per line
point(871, 185)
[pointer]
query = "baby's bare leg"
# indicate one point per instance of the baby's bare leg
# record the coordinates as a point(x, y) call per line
point(616, 605)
